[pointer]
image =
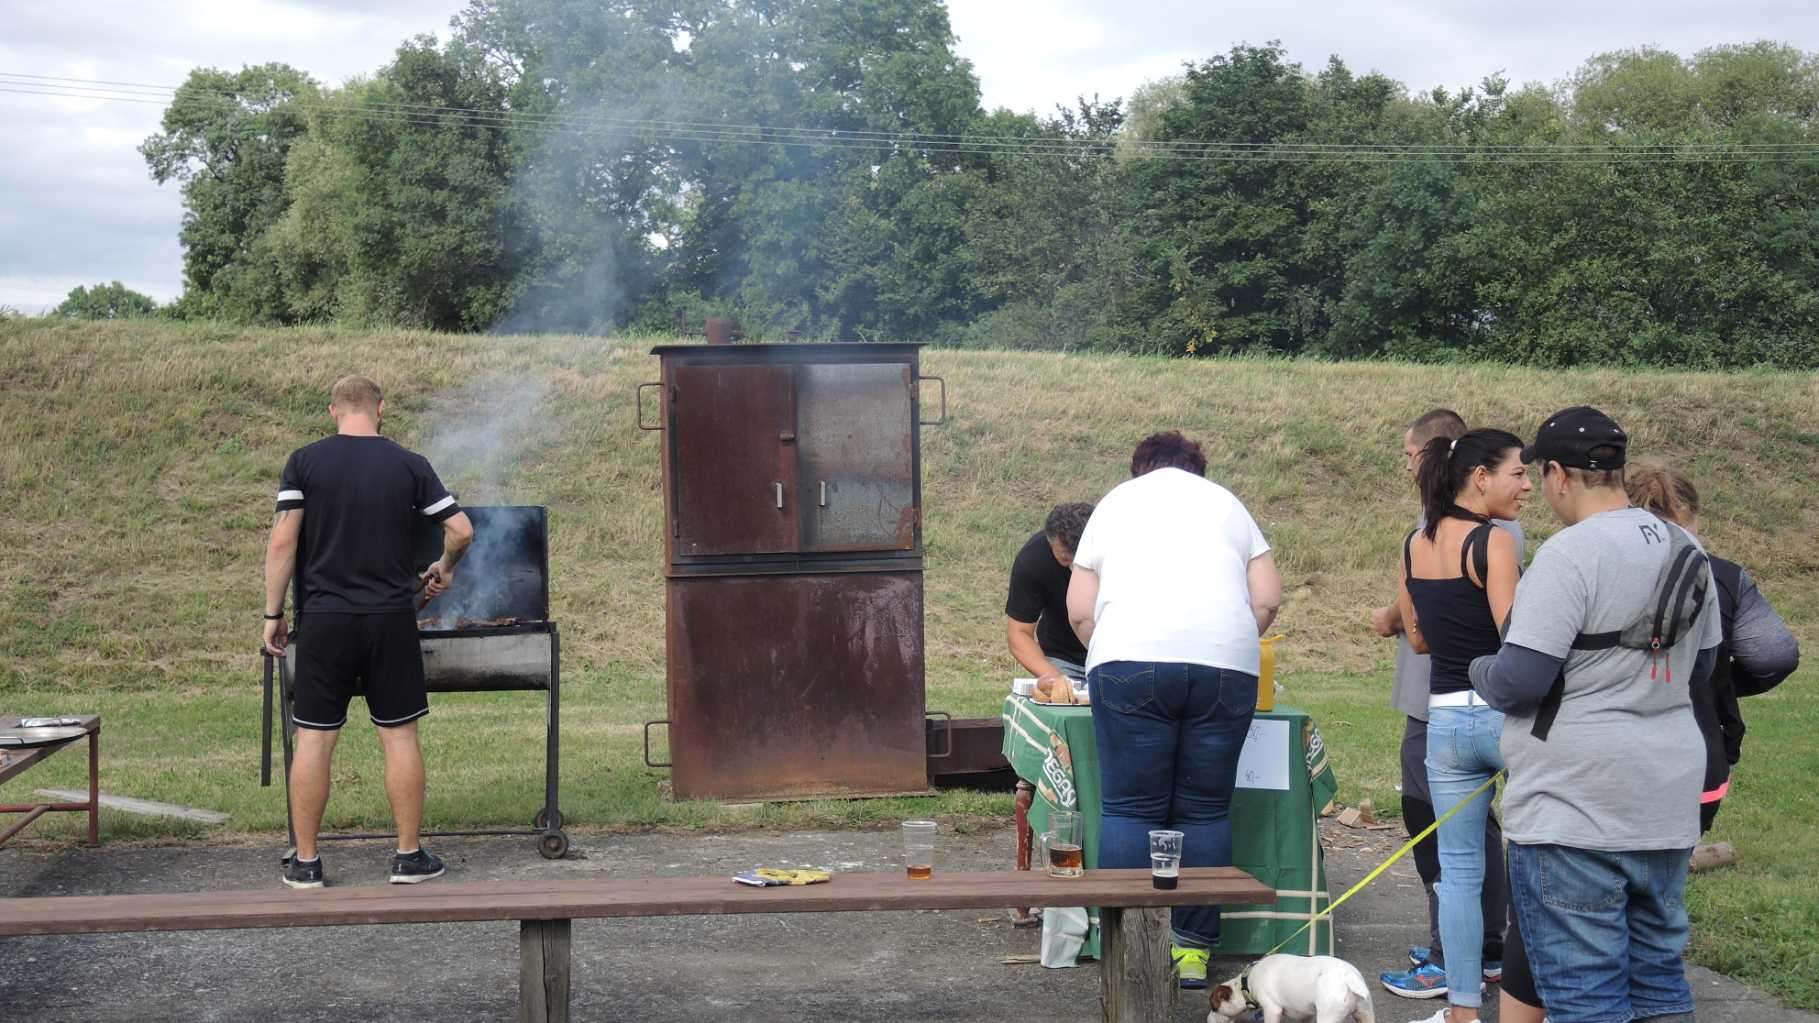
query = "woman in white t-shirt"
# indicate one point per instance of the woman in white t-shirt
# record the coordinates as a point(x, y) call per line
point(1172, 586)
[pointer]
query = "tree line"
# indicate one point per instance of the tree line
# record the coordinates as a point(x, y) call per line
point(826, 167)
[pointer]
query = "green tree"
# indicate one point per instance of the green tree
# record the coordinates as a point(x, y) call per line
point(226, 137)
point(401, 208)
point(112, 301)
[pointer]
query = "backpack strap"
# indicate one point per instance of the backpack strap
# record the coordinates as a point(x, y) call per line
point(1477, 547)
point(1550, 706)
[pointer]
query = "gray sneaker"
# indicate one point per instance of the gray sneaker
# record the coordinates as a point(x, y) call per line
point(416, 868)
point(299, 874)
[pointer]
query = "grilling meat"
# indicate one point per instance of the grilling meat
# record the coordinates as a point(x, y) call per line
point(433, 624)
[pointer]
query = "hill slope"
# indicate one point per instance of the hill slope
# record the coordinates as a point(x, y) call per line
point(141, 459)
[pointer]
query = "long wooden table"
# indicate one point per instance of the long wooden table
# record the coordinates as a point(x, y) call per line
point(18, 761)
point(1135, 975)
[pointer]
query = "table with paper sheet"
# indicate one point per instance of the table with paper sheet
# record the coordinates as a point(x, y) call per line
point(1284, 780)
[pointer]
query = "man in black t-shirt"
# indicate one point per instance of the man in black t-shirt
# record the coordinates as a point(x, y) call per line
point(348, 506)
point(1036, 624)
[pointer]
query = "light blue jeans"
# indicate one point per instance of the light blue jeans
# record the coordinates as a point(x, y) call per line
point(1462, 754)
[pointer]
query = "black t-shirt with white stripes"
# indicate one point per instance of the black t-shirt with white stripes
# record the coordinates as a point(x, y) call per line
point(362, 498)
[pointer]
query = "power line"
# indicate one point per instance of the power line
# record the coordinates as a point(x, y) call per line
point(719, 126)
point(710, 133)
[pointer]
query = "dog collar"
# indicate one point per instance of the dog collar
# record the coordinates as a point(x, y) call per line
point(1244, 988)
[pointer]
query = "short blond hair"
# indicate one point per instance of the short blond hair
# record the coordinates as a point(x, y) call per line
point(355, 393)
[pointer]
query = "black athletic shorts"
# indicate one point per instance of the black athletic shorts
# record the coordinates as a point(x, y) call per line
point(340, 656)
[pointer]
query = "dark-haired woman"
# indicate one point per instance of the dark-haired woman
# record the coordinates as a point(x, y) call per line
point(1172, 585)
point(1458, 583)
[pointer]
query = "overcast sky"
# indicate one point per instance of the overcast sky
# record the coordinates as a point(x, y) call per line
point(77, 206)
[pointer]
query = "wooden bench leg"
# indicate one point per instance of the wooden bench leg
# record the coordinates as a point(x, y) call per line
point(543, 969)
point(1137, 985)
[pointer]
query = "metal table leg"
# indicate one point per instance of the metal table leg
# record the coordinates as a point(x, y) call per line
point(94, 785)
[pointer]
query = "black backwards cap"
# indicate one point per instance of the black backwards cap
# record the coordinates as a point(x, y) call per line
point(1571, 435)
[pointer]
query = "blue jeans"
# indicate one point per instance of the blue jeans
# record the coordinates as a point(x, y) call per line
point(1169, 737)
point(1462, 754)
point(1605, 931)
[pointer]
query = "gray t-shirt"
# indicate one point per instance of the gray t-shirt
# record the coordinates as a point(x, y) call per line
point(1622, 766)
point(1409, 689)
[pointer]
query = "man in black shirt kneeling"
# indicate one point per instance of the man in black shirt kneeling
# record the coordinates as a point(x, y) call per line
point(1036, 624)
point(348, 506)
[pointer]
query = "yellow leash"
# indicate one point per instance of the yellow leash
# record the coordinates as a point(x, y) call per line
point(1385, 865)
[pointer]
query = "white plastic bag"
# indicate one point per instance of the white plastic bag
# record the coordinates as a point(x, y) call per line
point(1063, 933)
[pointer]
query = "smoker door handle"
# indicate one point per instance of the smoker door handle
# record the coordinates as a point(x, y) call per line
point(943, 419)
point(947, 730)
point(640, 410)
point(779, 487)
point(647, 742)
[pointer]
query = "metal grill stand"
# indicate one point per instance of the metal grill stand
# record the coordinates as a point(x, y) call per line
point(552, 840)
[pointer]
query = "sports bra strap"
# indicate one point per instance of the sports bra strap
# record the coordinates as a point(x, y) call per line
point(1408, 566)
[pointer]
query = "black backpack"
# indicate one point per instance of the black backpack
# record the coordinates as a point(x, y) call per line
point(1679, 596)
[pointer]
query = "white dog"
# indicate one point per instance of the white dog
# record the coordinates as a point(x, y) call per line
point(1318, 988)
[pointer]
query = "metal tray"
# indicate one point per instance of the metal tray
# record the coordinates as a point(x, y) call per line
point(17, 738)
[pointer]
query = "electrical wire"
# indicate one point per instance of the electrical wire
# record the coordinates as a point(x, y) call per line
point(833, 139)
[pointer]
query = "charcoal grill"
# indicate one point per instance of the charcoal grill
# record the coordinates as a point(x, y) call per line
point(489, 632)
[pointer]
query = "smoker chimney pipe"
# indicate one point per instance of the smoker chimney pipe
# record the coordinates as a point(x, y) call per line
point(720, 330)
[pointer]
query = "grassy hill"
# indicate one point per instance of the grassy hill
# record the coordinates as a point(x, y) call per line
point(139, 462)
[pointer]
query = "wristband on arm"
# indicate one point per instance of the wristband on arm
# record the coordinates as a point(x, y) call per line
point(275, 617)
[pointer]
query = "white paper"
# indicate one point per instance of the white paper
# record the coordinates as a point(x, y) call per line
point(1263, 763)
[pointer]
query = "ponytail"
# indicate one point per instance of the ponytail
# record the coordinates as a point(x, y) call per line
point(1663, 491)
point(1446, 466)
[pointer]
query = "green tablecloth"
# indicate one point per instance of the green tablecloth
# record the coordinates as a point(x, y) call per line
point(1284, 781)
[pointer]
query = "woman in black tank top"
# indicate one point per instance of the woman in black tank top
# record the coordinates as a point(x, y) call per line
point(1458, 583)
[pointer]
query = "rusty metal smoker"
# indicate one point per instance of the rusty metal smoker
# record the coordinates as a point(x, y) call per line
point(793, 556)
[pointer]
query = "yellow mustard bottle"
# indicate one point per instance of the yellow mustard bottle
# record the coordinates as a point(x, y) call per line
point(1266, 675)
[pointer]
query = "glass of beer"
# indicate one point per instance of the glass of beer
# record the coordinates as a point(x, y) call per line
point(919, 849)
point(1165, 858)
point(1064, 844)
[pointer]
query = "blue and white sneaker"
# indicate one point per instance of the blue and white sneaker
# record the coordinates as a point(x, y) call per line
point(1424, 981)
point(1493, 968)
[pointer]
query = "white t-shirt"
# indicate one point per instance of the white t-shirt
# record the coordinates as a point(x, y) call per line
point(1172, 551)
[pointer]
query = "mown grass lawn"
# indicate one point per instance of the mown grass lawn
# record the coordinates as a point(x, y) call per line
point(139, 463)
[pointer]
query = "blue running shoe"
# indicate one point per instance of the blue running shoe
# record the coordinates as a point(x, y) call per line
point(1424, 981)
point(1493, 971)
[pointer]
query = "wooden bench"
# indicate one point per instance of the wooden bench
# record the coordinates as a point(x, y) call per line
point(1135, 976)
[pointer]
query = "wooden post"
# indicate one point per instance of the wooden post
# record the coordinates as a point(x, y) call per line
point(1137, 982)
point(543, 970)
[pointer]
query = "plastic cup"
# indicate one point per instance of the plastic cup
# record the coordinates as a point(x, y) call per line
point(1165, 858)
point(919, 849)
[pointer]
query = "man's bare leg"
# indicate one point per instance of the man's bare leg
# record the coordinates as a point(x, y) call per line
point(404, 781)
point(309, 785)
